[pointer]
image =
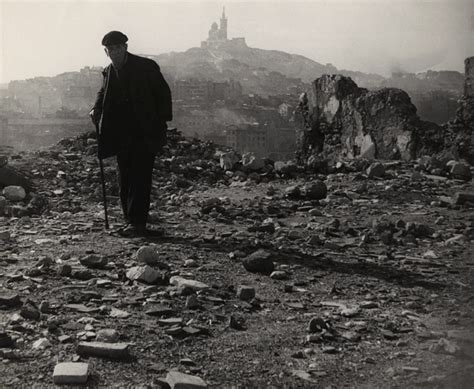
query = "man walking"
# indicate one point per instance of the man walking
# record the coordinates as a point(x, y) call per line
point(131, 110)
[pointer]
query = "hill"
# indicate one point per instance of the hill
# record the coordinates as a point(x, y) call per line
point(259, 71)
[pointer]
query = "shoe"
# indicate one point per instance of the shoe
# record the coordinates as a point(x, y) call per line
point(133, 230)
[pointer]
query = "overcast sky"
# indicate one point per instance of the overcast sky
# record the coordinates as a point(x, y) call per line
point(45, 38)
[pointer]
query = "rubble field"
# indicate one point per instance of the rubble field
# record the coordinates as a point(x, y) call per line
point(349, 274)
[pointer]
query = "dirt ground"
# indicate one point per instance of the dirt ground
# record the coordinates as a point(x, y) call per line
point(384, 265)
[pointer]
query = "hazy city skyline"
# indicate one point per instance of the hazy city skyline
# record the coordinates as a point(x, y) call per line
point(45, 38)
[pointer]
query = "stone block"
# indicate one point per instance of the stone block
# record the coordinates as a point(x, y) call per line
point(104, 350)
point(71, 373)
point(177, 380)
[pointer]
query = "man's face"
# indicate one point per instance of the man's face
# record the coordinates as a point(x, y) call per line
point(116, 53)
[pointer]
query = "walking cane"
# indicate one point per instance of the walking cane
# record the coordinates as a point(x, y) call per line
point(102, 177)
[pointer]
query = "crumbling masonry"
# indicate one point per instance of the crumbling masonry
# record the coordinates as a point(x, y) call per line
point(350, 122)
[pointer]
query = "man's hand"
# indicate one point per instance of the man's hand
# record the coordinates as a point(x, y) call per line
point(95, 116)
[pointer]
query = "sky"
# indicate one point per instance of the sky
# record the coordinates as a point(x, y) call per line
point(46, 38)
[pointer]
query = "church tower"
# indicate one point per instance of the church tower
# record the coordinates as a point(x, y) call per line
point(223, 28)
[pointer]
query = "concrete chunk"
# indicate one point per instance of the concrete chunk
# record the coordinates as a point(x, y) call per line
point(463, 197)
point(105, 350)
point(143, 274)
point(177, 380)
point(181, 282)
point(245, 292)
point(71, 373)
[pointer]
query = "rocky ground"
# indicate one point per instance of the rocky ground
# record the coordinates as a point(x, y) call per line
point(261, 278)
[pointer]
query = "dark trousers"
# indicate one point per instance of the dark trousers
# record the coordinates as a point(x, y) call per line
point(135, 168)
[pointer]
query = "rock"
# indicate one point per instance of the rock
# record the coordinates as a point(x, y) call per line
point(171, 321)
point(285, 167)
point(10, 300)
point(44, 307)
point(245, 292)
point(144, 274)
point(295, 235)
point(279, 275)
point(5, 236)
point(444, 346)
point(368, 305)
point(94, 261)
point(461, 198)
point(350, 311)
point(65, 270)
point(259, 262)
point(460, 171)
point(387, 334)
point(177, 380)
point(315, 212)
point(14, 193)
point(192, 302)
point(102, 349)
point(64, 338)
point(375, 170)
point(10, 177)
point(317, 324)
point(181, 282)
point(30, 312)
point(316, 240)
point(237, 323)
point(228, 160)
point(107, 335)
point(6, 341)
point(351, 336)
point(3, 204)
point(417, 176)
point(82, 274)
point(304, 375)
point(71, 373)
point(252, 163)
point(41, 344)
point(293, 191)
point(315, 190)
point(147, 255)
point(159, 311)
point(118, 313)
point(329, 350)
point(314, 338)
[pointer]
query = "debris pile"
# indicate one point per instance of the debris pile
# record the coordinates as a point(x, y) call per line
point(345, 121)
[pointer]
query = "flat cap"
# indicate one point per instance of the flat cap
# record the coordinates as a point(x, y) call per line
point(114, 38)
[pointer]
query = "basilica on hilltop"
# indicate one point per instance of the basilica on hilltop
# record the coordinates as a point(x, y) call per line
point(217, 37)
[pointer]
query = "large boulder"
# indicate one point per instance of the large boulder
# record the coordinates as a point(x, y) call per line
point(459, 170)
point(9, 176)
point(315, 190)
point(14, 193)
point(228, 160)
point(259, 262)
point(355, 122)
point(250, 162)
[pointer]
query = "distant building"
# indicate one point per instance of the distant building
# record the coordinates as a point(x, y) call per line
point(203, 91)
point(217, 36)
point(274, 143)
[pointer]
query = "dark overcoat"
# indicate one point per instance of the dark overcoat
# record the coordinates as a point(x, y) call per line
point(150, 99)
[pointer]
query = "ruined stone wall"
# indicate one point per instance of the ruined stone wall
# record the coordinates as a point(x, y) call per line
point(345, 121)
point(469, 77)
point(460, 131)
point(355, 122)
